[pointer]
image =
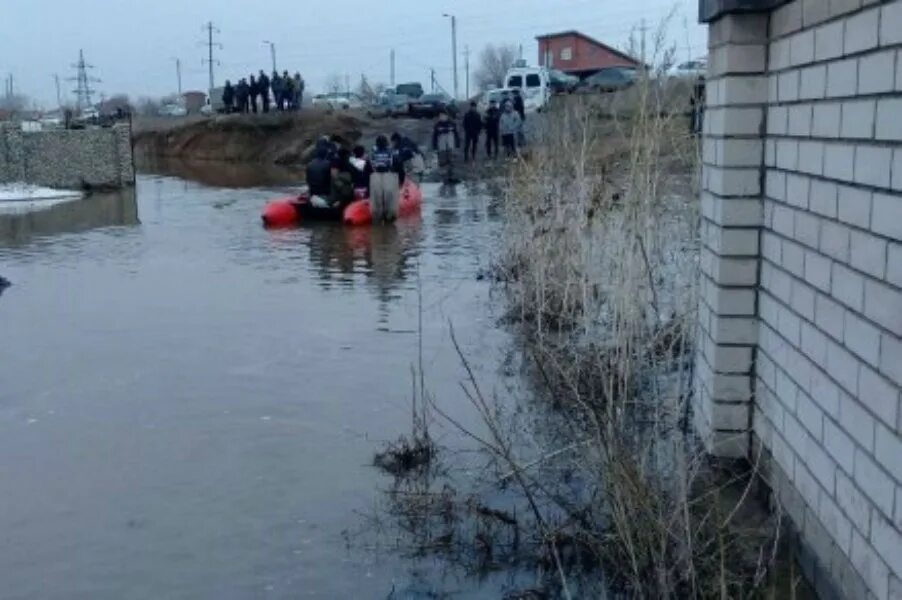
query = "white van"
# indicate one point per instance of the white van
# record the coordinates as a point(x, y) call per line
point(534, 84)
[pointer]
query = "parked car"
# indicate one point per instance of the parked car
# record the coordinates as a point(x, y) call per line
point(338, 101)
point(173, 110)
point(411, 90)
point(690, 69)
point(499, 95)
point(610, 79)
point(562, 83)
point(430, 105)
point(390, 105)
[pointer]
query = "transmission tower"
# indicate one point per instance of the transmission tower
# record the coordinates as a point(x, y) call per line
point(210, 44)
point(83, 81)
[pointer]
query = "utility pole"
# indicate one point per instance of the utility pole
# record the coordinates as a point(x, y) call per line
point(59, 96)
point(178, 74)
point(453, 50)
point(210, 44)
point(392, 70)
point(467, 69)
point(272, 54)
point(432, 78)
point(520, 52)
point(83, 82)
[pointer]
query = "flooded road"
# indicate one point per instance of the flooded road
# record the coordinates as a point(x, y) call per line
point(189, 404)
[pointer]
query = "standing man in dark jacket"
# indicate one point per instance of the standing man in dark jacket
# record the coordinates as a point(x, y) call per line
point(228, 97)
point(472, 128)
point(254, 90)
point(519, 106)
point(241, 95)
point(492, 137)
point(263, 85)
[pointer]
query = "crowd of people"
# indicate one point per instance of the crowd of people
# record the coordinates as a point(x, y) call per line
point(336, 175)
point(501, 123)
point(282, 92)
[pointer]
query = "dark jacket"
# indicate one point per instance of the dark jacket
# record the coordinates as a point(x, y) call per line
point(254, 87)
point(472, 123)
point(492, 118)
point(263, 84)
point(407, 148)
point(241, 91)
point(519, 106)
point(319, 177)
point(443, 129)
point(228, 95)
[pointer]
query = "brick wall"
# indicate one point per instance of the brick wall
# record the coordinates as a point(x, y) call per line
point(801, 316)
point(73, 159)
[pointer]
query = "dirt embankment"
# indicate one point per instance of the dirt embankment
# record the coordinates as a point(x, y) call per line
point(270, 139)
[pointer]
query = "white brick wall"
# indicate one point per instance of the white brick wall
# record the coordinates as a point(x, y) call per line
point(825, 314)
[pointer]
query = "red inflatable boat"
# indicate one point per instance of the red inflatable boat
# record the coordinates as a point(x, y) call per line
point(286, 212)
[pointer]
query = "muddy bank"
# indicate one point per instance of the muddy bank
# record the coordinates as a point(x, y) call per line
point(280, 139)
point(268, 139)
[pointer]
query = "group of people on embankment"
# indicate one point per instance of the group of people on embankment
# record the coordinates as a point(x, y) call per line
point(285, 91)
point(335, 173)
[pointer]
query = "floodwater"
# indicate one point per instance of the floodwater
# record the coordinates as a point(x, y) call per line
point(189, 404)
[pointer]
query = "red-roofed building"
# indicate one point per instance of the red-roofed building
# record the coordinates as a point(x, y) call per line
point(578, 54)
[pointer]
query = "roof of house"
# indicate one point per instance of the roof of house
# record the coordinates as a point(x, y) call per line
point(592, 40)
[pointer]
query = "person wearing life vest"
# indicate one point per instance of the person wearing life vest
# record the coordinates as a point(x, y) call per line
point(384, 182)
point(342, 178)
point(445, 141)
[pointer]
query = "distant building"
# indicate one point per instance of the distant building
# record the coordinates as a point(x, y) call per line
point(578, 54)
point(194, 101)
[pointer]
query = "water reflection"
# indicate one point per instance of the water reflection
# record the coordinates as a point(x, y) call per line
point(97, 210)
point(221, 174)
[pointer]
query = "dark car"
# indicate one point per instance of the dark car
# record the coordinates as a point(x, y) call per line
point(430, 105)
point(610, 79)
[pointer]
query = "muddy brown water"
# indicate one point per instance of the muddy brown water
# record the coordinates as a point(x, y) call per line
point(189, 404)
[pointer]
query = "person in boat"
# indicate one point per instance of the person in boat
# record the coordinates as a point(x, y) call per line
point(472, 129)
point(362, 169)
point(491, 118)
point(319, 176)
point(342, 179)
point(444, 141)
point(510, 126)
point(410, 156)
point(384, 181)
point(228, 96)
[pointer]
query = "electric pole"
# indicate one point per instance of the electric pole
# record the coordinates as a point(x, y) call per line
point(467, 69)
point(59, 96)
point(83, 82)
point(178, 74)
point(454, 50)
point(391, 59)
point(272, 54)
point(210, 44)
point(432, 78)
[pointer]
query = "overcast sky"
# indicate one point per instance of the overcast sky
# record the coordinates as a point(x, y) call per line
point(133, 43)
